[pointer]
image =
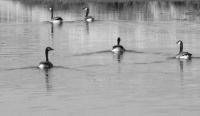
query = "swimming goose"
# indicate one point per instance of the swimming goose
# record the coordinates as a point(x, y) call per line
point(46, 64)
point(88, 18)
point(118, 49)
point(181, 54)
point(55, 19)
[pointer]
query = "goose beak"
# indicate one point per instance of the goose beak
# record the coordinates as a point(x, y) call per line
point(49, 49)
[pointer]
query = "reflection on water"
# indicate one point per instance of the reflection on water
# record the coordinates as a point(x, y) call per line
point(52, 28)
point(52, 31)
point(47, 79)
point(118, 57)
point(181, 66)
point(87, 78)
point(87, 27)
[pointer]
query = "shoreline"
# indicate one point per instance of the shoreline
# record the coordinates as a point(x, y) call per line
point(83, 1)
point(60, 4)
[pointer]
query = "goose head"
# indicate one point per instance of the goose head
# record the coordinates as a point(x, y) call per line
point(50, 9)
point(86, 8)
point(179, 42)
point(49, 49)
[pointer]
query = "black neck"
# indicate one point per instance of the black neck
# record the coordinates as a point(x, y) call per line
point(87, 13)
point(46, 54)
point(52, 13)
point(118, 41)
point(181, 47)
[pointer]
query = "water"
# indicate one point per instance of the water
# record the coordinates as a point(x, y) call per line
point(88, 80)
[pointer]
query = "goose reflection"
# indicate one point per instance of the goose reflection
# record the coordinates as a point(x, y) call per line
point(182, 63)
point(52, 31)
point(118, 57)
point(87, 27)
point(181, 73)
point(47, 79)
point(52, 28)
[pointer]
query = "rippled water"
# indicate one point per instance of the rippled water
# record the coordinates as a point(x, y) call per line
point(88, 80)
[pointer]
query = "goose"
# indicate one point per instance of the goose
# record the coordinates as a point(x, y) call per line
point(181, 54)
point(88, 18)
point(118, 49)
point(46, 64)
point(55, 19)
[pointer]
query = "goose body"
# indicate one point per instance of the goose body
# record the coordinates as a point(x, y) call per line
point(87, 17)
point(55, 19)
point(184, 55)
point(118, 49)
point(181, 54)
point(46, 64)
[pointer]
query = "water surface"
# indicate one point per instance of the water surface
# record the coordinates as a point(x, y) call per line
point(88, 80)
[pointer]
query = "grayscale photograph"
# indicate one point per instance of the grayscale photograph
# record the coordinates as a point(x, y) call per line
point(100, 57)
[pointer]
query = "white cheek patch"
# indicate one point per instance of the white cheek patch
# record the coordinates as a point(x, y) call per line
point(41, 66)
point(89, 20)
